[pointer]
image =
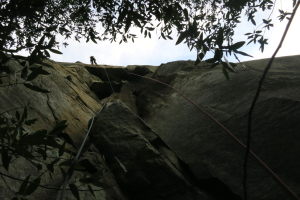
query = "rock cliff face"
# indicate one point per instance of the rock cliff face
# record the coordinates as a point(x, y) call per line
point(202, 144)
point(150, 143)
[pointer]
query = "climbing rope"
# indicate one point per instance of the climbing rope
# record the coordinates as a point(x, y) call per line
point(198, 107)
point(109, 81)
point(60, 195)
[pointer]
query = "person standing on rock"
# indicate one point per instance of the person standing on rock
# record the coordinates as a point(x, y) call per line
point(93, 60)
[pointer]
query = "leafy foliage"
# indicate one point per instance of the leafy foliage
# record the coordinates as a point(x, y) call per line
point(38, 148)
point(44, 150)
point(204, 25)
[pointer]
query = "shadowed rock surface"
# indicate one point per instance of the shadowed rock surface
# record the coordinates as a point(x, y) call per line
point(201, 143)
point(150, 143)
point(141, 170)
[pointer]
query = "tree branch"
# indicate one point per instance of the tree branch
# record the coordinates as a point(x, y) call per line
point(251, 110)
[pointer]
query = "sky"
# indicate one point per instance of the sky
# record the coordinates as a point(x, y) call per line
point(146, 51)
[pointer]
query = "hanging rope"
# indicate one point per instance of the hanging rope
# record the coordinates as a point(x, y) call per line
point(109, 81)
point(60, 195)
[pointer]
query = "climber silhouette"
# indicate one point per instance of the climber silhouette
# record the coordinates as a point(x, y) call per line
point(93, 60)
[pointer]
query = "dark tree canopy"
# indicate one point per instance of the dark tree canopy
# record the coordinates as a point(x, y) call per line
point(205, 25)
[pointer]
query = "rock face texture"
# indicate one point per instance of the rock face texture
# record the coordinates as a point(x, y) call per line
point(132, 150)
point(70, 97)
point(151, 142)
point(202, 144)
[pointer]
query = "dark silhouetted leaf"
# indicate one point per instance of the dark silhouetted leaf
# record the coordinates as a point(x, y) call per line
point(186, 14)
point(220, 37)
point(59, 127)
point(36, 138)
point(6, 158)
point(74, 191)
point(42, 152)
point(62, 29)
point(18, 116)
point(150, 28)
point(67, 138)
point(51, 42)
point(137, 23)
point(253, 21)
point(32, 186)
point(201, 56)
point(91, 190)
point(97, 183)
point(24, 115)
point(93, 39)
point(88, 166)
point(37, 165)
point(24, 72)
point(33, 75)
point(243, 53)
point(169, 37)
point(218, 55)
point(86, 180)
point(237, 45)
point(210, 60)
point(23, 186)
point(50, 166)
point(36, 88)
point(62, 149)
point(181, 37)
point(30, 122)
point(63, 172)
point(128, 24)
point(66, 163)
point(47, 54)
point(41, 40)
point(55, 51)
point(122, 16)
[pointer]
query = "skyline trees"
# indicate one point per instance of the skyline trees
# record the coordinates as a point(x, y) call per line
point(205, 26)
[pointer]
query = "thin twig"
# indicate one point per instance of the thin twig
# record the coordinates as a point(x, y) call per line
point(250, 114)
point(42, 186)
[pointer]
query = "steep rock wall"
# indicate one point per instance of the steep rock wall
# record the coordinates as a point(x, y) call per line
point(204, 145)
point(177, 136)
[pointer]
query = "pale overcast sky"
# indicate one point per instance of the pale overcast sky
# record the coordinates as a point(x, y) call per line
point(145, 51)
